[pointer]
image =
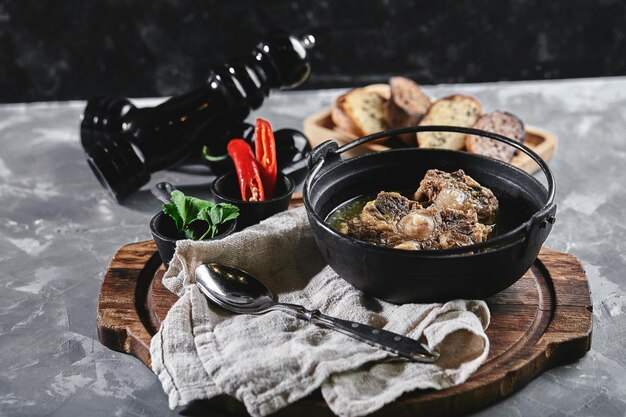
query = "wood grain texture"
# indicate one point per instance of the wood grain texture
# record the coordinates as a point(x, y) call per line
point(319, 128)
point(543, 320)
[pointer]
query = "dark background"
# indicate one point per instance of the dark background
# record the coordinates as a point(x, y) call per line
point(57, 50)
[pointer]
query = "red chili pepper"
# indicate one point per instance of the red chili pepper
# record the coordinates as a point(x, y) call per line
point(247, 169)
point(266, 154)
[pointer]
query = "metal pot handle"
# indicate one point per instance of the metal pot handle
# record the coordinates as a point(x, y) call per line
point(326, 151)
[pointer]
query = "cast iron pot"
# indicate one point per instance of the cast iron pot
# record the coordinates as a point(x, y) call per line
point(477, 271)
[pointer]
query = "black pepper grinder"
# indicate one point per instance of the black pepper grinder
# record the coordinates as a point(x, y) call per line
point(124, 144)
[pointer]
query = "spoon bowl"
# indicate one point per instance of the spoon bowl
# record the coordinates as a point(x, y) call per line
point(240, 292)
point(233, 289)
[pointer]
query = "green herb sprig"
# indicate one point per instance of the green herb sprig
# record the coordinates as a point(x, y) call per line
point(186, 209)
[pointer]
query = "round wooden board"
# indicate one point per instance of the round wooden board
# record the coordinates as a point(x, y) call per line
point(543, 320)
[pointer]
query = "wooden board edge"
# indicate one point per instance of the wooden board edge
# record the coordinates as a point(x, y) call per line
point(494, 387)
point(120, 339)
point(121, 335)
point(117, 318)
point(571, 326)
point(315, 132)
point(546, 149)
point(553, 259)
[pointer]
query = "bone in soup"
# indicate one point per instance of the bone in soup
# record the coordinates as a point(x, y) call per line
point(448, 210)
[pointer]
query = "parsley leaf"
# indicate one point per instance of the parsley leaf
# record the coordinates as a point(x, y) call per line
point(171, 210)
point(185, 210)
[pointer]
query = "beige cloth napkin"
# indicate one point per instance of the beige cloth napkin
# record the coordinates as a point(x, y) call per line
point(272, 360)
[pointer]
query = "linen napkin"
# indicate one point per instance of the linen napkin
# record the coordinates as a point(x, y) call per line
point(272, 360)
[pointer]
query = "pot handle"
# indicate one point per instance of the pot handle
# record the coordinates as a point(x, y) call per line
point(326, 151)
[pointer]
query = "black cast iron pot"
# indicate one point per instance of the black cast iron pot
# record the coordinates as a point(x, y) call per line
point(477, 271)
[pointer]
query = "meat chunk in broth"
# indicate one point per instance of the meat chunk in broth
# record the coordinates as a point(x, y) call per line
point(389, 216)
point(394, 221)
point(386, 211)
point(457, 191)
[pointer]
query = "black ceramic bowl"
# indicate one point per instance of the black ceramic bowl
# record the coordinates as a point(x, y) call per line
point(476, 271)
point(226, 190)
point(165, 234)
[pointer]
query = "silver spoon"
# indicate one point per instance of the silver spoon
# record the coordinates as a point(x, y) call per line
point(238, 291)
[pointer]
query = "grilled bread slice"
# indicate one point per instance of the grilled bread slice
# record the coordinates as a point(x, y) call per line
point(408, 103)
point(499, 122)
point(360, 112)
point(456, 110)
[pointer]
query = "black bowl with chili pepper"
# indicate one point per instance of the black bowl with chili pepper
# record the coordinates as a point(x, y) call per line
point(214, 151)
point(292, 150)
point(256, 187)
point(226, 190)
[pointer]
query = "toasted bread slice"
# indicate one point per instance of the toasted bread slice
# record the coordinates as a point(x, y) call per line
point(340, 118)
point(499, 122)
point(407, 105)
point(360, 112)
point(456, 110)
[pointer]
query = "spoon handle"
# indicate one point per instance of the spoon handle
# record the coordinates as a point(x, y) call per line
point(400, 345)
point(162, 191)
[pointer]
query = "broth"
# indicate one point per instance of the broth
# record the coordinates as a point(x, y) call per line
point(350, 209)
point(344, 212)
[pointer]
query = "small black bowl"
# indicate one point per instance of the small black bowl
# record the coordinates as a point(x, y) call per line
point(226, 190)
point(165, 234)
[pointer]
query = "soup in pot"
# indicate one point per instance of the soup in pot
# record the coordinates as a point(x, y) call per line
point(447, 210)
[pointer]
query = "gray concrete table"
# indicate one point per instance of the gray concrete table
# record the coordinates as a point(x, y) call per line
point(59, 229)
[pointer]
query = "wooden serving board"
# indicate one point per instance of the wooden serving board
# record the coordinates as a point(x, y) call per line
point(543, 320)
point(320, 127)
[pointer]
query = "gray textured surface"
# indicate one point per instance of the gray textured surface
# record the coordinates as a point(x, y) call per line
point(58, 231)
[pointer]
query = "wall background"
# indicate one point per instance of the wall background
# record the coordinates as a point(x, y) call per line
point(58, 50)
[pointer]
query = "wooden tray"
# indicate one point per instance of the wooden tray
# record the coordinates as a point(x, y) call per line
point(319, 128)
point(542, 321)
